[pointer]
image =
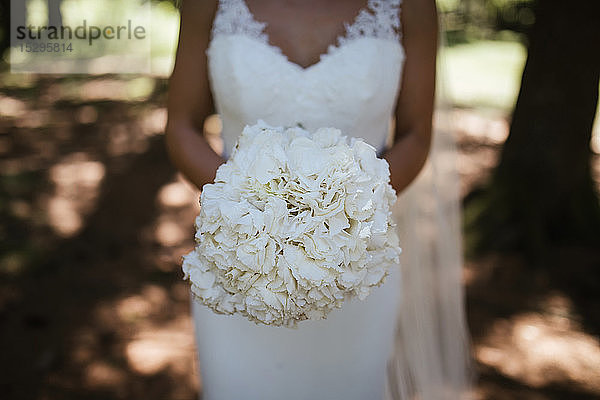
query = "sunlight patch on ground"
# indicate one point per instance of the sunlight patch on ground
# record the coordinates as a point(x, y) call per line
point(125, 138)
point(149, 355)
point(100, 374)
point(20, 208)
point(486, 128)
point(138, 89)
point(169, 345)
point(87, 115)
point(179, 203)
point(77, 185)
point(176, 194)
point(147, 333)
point(169, 232)
point(479, 138)
point(63, 216)
point(34, 119)
point(11, 107)
point(133, 307)
point(118, 140)
point(540, 350)
point(153, 121)
point(152, 300)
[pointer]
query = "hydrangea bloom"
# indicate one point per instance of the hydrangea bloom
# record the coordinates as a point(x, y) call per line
point(294, 224)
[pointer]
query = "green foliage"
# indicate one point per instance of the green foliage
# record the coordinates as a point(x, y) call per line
point(470, 20)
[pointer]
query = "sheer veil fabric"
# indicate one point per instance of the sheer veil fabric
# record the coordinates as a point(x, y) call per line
point(432, 359)
point(252, 79)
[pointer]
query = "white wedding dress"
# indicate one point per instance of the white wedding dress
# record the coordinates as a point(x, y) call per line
point(353, 87)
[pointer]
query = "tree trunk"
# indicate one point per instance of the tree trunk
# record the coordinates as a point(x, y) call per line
point(542, 191)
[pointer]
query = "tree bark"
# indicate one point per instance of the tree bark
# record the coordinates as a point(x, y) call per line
point(542, 191)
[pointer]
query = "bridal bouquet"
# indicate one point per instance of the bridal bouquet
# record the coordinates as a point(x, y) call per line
point(294, 224)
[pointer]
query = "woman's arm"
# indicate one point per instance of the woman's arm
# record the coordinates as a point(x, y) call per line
point(414, 111)
point(190, 100)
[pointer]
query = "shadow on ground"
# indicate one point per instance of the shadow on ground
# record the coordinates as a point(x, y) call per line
point(95, 219)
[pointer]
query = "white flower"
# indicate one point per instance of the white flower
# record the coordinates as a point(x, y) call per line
point(295, 224)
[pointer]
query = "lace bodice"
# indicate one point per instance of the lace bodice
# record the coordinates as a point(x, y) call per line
point(352, 87)
point(380, 19)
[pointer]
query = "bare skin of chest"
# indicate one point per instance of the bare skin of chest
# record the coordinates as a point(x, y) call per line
point(304, 29)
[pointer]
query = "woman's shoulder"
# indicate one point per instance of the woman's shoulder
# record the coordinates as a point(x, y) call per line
point(199, 13)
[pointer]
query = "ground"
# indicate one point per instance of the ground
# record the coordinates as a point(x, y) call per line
point(94, 220)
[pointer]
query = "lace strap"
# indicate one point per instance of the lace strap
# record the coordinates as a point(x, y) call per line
point(380, 19)
point(234, 17)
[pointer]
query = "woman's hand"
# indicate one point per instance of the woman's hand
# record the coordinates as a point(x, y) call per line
point(414, 111)
point(190, 99)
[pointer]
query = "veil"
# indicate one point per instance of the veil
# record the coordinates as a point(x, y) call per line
point(431, 359)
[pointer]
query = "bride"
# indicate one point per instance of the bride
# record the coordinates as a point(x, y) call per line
point(363, 67)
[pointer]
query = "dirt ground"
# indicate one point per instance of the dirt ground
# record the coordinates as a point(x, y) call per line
point(94, 220)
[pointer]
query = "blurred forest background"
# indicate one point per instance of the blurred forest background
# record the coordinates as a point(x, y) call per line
point(94, 219)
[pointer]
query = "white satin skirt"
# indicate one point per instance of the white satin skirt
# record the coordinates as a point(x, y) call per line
point(341, 358)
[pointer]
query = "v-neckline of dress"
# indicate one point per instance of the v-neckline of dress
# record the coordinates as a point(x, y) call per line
point(331, 48)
